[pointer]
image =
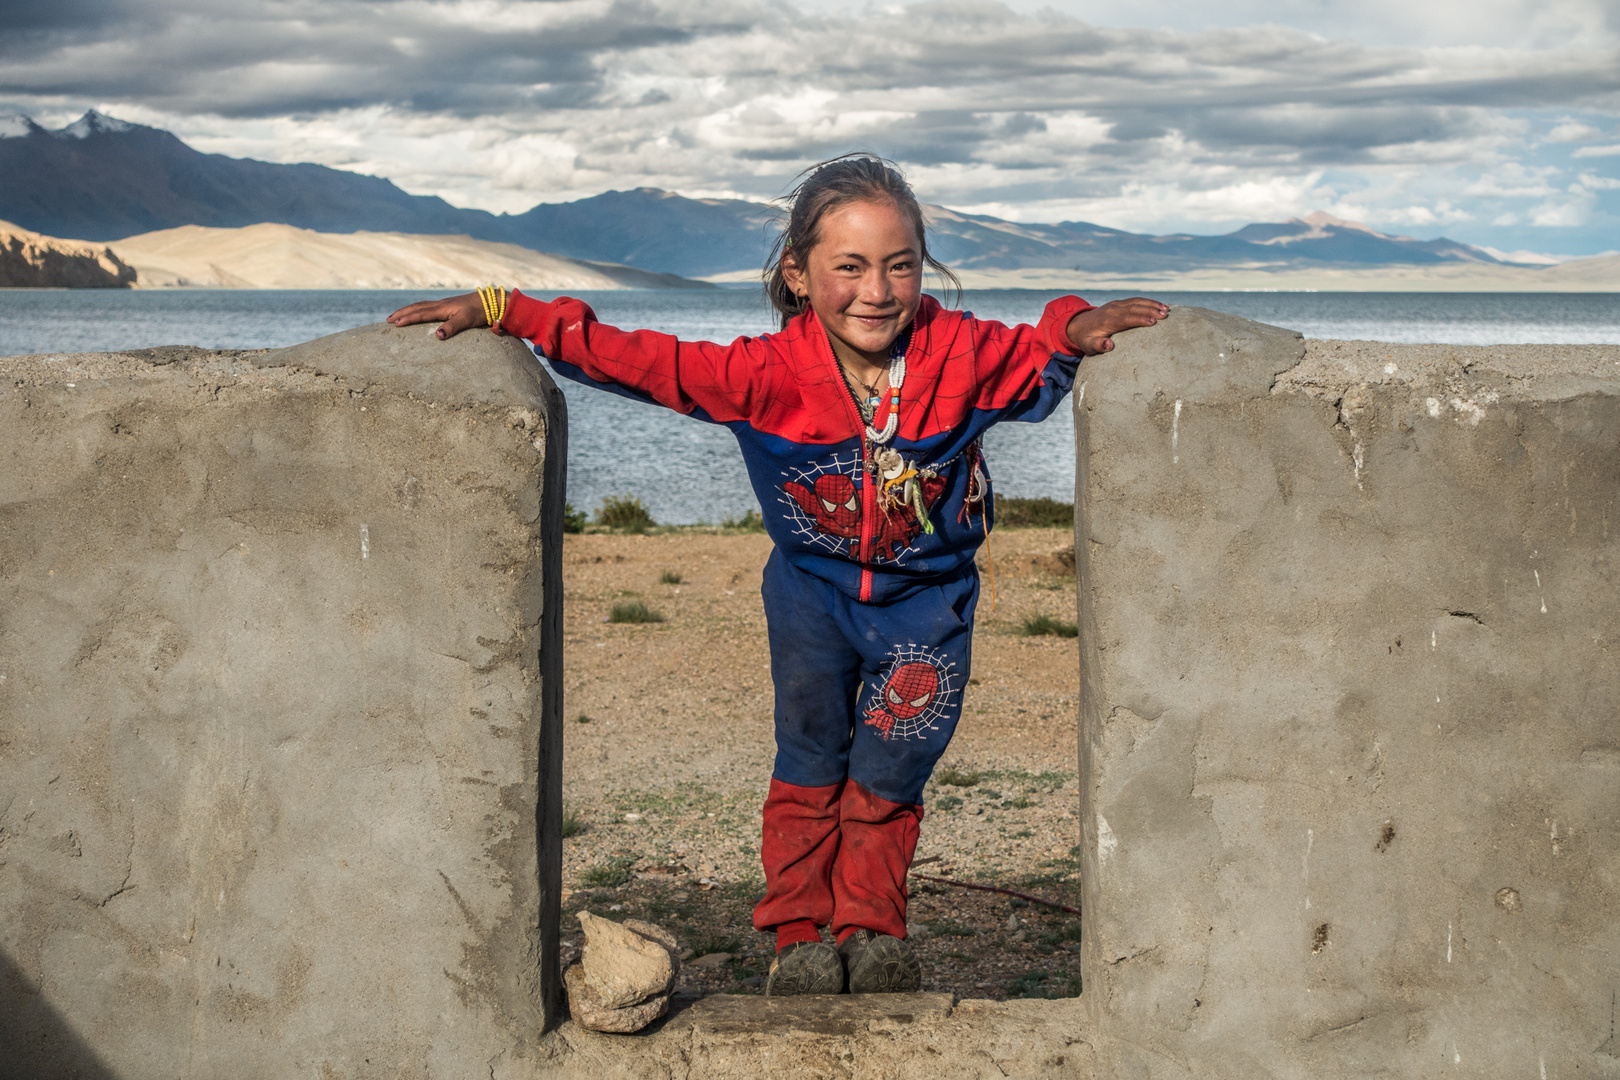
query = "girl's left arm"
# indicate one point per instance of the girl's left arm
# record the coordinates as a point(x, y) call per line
point(1023, 372)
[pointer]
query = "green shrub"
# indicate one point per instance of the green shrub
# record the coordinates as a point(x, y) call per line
point(572, 824)
point(749, 522)
point(669, 577)
point(1042, 513)
point(954, 777)
point(1042, 625)
point(624, 513)
point(633, 611)
point(573, 520)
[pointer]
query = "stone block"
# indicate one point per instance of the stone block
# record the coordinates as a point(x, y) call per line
point(279, 697)
point(1350, 753)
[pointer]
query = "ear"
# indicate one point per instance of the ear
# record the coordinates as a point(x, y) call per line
point(794, 276)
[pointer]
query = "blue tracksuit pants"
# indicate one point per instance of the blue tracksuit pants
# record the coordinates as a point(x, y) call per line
point(867, 698)
point(866, 692)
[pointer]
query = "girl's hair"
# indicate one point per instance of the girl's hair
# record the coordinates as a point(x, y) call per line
point(856, 177)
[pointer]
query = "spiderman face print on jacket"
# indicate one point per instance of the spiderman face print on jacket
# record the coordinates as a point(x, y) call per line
point(834, 503)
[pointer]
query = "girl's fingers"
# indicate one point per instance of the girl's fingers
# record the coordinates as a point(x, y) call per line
point(455, 312)
point(453, 325)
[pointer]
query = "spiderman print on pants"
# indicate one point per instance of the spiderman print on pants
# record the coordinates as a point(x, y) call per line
point(907, 697)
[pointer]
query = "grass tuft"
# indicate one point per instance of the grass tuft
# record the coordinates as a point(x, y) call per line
point(749, 522)
point(605, 875)
point(572, 824)
point(1044, 984)
point(1040, 513)
point(669, 577)
point(954, 777)
point(624, 513)
point(1045, 625)
point(633, 611)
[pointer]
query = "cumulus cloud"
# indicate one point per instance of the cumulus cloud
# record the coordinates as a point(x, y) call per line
point(1036, 114)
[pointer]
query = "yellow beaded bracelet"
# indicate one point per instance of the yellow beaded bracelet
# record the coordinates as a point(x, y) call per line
point(493, 297)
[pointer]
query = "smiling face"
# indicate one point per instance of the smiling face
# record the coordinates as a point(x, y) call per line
point(863, 277)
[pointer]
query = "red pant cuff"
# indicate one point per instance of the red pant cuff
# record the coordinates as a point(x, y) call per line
point(798, 930)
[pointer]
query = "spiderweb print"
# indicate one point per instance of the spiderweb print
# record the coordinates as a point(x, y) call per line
point(916, 690)
point(805, 526)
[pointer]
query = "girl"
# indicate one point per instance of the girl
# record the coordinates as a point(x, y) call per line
point(859, 423)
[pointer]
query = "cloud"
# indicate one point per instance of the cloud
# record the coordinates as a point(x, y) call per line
point(502, 103)
point(1574, 131)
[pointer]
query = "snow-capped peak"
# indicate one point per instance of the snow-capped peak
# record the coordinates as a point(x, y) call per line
point(15, 126)
point(93, 123)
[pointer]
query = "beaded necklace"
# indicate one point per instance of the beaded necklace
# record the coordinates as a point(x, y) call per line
point(897, 379)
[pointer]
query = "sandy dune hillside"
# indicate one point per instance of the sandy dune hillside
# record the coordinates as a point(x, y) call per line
point(269, 256)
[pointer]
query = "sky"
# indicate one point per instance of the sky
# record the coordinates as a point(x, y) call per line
point(1494, 122)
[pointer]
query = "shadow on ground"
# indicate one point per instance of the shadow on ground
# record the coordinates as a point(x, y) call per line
point(36, 1041)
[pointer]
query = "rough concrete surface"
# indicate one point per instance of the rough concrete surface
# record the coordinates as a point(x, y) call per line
point(278, 671)
point(1350, 755)
point(842, 1037)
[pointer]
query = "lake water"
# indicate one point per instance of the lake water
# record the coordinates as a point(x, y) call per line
point(687, 471)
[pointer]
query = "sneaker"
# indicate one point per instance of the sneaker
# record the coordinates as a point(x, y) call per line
point(880, 964)
point(805, 967)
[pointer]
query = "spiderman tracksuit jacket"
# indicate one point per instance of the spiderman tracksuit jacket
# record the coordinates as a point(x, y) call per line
point(869, 606)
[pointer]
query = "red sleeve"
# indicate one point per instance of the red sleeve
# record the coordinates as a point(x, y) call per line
point(682, 375)
point(1008, 360)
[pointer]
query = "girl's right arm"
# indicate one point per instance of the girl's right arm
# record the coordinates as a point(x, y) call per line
point(719, 380)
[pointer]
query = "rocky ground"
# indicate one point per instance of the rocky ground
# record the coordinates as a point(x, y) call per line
point(669, 753)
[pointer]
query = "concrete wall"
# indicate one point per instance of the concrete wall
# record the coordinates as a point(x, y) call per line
point(1349, 652)
point(279, 692)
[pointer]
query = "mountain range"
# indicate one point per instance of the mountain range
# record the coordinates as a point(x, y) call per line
point(104, 179)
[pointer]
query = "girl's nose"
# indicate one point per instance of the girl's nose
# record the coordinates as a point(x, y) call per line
point(875, 287)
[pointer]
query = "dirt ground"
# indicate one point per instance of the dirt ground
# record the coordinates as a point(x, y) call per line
point(669, 751)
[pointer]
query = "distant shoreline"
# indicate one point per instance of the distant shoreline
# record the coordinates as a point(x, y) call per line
point(1081, 288)
point(1596, 275)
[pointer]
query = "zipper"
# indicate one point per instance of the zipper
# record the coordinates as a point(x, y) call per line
point(868, 492)
point(868, 513)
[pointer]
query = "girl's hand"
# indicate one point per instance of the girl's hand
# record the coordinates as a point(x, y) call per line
point(454, 314)
point(1092, 332)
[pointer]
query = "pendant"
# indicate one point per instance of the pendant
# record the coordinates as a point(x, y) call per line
point(890, 463)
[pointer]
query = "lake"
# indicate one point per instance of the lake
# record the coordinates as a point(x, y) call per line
point(687, 471)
